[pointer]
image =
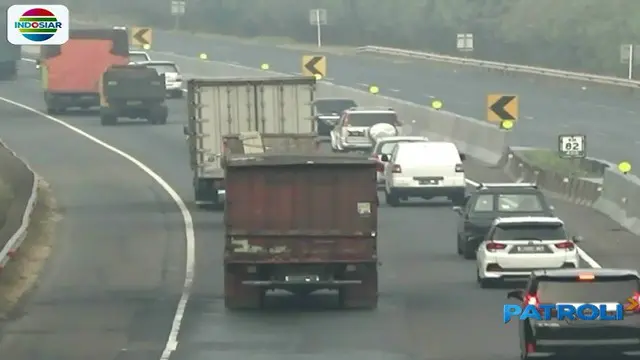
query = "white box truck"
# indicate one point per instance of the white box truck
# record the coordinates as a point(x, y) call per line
point(226, 106)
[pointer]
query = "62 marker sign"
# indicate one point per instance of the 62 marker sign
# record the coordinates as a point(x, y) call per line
point(572, 146)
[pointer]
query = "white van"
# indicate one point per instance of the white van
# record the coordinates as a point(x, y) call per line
point(425, 170)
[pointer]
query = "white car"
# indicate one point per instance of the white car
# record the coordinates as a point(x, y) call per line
point(515, 246)
point(384, 146)
point(172, 75)
point(138, 57)
point(359, 127)
point(425, 170)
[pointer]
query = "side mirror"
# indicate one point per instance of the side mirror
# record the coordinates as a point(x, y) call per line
point(577, 238)
point(384, 158)
point(516, 294)
point(185, 130)
point(457, 209)
point(463, 157)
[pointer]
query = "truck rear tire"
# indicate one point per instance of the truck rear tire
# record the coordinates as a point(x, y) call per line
point(158, 115)
point(107, 117)
point(8, 71)
point(363, 295)
point(53, 108)
point(238, 296)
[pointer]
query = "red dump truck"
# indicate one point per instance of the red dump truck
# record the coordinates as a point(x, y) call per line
point(301, 223)
point(71, 72)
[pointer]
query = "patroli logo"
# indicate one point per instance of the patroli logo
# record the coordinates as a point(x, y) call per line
point(570, 312)
point(38, 24)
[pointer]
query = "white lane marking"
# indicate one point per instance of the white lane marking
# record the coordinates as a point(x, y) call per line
point(172, 341)
point(588, 259)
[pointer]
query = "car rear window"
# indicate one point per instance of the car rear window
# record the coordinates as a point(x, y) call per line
point(164, 68)
point(370, 119)
point(519, 203)
point(138, 57)
point(598, 290)
point(387, 146)
point(530, 231)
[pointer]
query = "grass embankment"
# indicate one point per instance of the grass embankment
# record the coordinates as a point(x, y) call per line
point(6, 196)
point(549, 160)
point(22, 272)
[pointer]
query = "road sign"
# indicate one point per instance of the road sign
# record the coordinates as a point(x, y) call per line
point(464, 42)
point(141, 36)
point(502, 107)
point(572, 146)
point(178, 7)
point(318, 16)
point(314, 65)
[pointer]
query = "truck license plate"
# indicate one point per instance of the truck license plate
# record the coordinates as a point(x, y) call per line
point(302, 278)
point(428, 182)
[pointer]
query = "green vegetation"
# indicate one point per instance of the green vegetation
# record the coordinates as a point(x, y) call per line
point(580, 35)
point(549, 160)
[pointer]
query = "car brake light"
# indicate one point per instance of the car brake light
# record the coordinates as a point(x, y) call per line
point(532, 299)
point(492, 246)
point(397, 169)
point(459, 168)
point(567, 245)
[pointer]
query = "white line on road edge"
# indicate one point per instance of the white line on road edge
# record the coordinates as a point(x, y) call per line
point(172, 341)
point(588, 259)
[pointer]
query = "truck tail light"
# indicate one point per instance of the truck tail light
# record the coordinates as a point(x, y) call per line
point(459, 168)
point(397, 169)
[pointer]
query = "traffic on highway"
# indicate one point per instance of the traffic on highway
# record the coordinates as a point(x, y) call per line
point(276, 215)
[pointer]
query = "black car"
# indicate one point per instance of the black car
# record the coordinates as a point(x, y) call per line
point(491, 201)
point(326, 112)
point(579, 337)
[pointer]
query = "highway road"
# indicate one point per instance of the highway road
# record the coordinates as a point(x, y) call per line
point(548, 107)
point(430, 306)
point(114, 278)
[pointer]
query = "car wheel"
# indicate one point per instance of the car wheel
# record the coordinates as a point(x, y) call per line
point(391, 199)
point(468, 252)
point(484, 283)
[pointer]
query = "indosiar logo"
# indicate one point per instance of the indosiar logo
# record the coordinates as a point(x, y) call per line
point(38, 24)
point(566, 312)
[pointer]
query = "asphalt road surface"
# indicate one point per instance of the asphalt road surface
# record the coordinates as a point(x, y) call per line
point(104, 288)
point(114, 278)
point(548, 107)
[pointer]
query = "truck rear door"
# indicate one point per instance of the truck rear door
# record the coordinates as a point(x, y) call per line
point(301, 212)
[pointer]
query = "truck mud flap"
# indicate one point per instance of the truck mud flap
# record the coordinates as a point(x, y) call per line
point(238, 296)
point(363, 295)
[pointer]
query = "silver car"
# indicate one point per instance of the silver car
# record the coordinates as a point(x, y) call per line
point(354, 129)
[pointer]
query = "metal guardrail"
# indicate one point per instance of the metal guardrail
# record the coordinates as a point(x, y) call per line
point(16, 240)
point(609, 80)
